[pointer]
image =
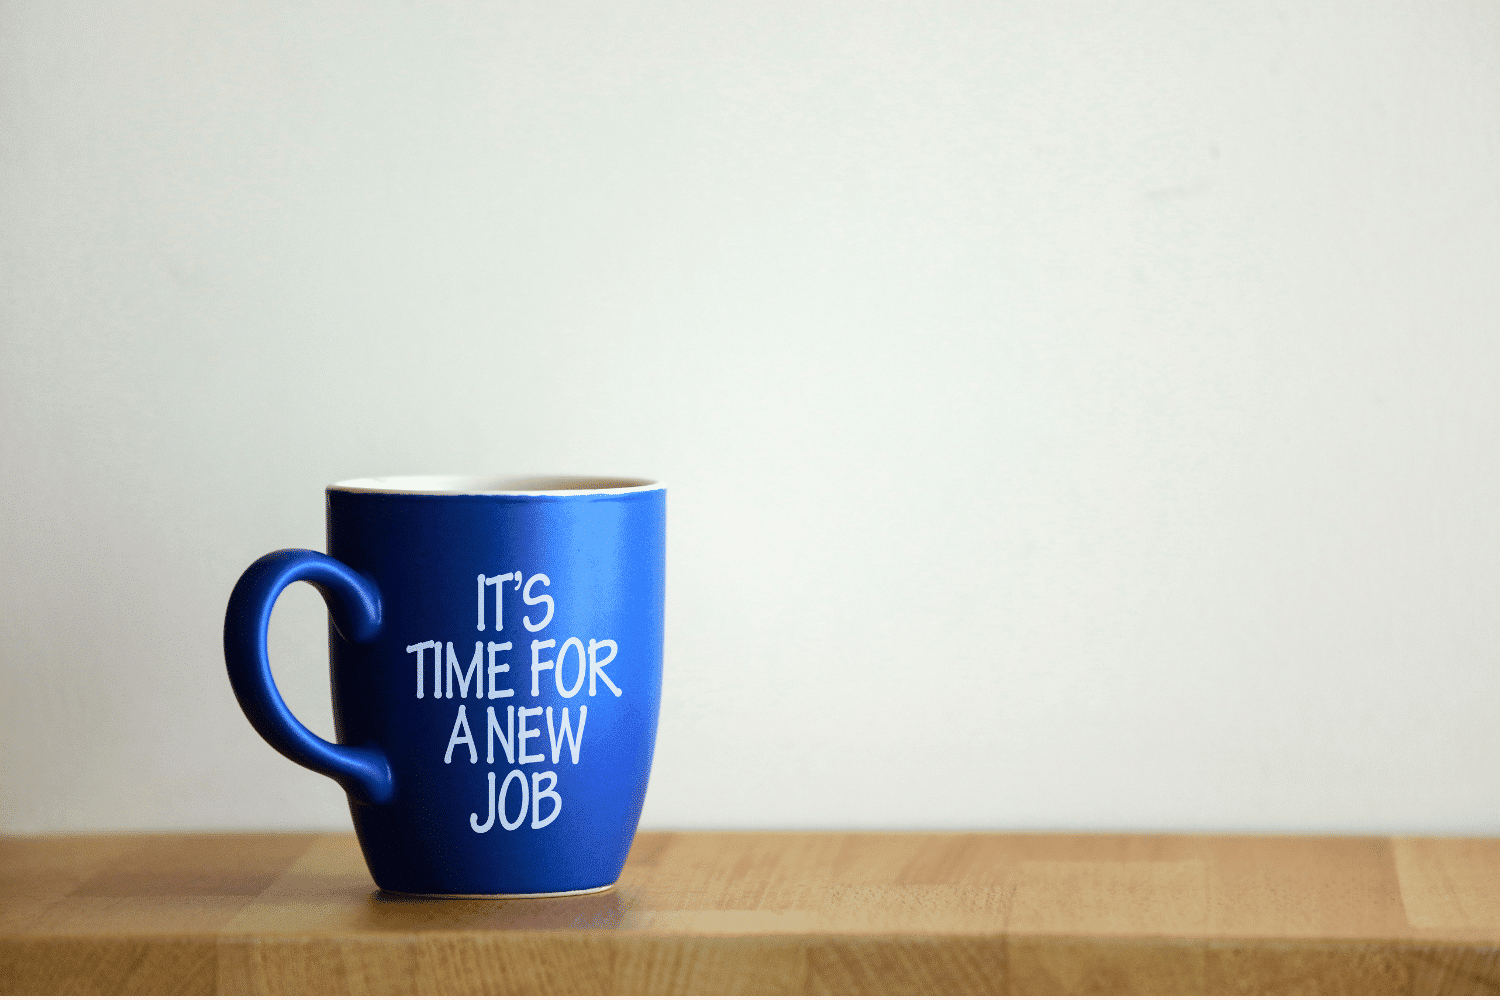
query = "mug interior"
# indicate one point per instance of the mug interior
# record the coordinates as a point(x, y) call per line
point(497, 485)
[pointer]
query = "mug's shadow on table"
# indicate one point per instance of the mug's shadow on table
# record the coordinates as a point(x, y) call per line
point(595, 911)
point(766, 913)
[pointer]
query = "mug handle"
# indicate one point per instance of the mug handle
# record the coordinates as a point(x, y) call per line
point(354, 604)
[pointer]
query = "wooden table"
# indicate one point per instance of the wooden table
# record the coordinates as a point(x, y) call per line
point(767, 913)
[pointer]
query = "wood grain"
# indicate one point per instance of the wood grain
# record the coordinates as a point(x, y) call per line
point(767, 913)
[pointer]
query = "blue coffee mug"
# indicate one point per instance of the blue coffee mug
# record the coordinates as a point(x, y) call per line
point(495, 652)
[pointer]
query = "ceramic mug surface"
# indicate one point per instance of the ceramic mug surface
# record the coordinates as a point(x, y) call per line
point(495, 650)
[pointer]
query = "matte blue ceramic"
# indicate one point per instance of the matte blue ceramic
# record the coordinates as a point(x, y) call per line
point(495, 652)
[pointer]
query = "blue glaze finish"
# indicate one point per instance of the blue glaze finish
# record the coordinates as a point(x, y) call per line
point(354, 607)
point(420, 555)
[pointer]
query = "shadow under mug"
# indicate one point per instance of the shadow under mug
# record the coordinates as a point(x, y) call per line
point(495, 650)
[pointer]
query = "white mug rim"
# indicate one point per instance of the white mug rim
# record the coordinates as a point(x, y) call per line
point(499, 486)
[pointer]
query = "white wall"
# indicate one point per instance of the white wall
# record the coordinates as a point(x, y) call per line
point(1129, 369)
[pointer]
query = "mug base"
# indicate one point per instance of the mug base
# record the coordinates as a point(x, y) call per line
point(496, 895)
